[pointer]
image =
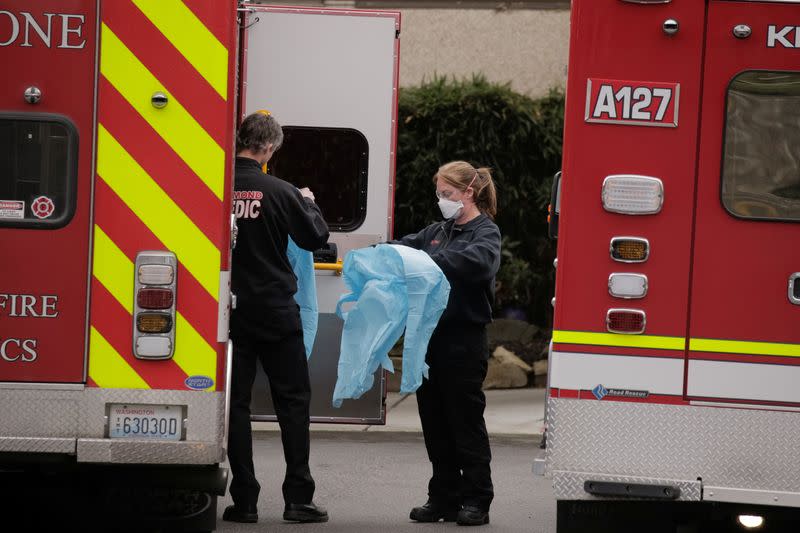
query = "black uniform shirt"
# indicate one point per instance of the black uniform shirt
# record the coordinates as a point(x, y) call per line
point(268, 209)
point(469, 256)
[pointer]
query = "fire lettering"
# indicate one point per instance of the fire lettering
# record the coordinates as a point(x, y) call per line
point(29, 306)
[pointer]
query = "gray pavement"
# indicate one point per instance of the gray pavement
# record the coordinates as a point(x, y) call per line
point(369, 481)
point(369, 477)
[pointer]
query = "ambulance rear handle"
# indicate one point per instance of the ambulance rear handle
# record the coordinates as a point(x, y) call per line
point(633, 490)
point(554, 208)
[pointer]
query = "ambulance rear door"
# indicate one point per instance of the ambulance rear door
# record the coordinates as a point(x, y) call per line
point(745, 292)
point(330, 78)
point(47, 102)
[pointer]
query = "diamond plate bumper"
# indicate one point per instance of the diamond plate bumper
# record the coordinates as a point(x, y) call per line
point(72, 420)
point(746, 449)
point(569, 485)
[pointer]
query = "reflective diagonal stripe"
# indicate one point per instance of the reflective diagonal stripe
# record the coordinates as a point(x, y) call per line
point(192, 39)
point(192, 353)
point(173, 123)
point(113, 269)
point(744, 347)
point(158, 211)
point(612, 339)
point(108, 369)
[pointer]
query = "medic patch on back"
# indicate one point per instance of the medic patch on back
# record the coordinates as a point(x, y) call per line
point(247, 204)
point(633, 103)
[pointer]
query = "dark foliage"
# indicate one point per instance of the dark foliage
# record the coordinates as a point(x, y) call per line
point(519, 138)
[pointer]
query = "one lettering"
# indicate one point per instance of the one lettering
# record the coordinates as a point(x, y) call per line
point(14, 28)
point(665, 95)
point(66, 30)
point(247, 208)
point(642, 98)
point(30, 22)
point(624, 96)
point(29, 347)
point(774, 36)
point(39, 29)
point(49, 306)
point(5, 353)
point(248, 195)
point(22, 350)
point(605, 103)
point(631, 102)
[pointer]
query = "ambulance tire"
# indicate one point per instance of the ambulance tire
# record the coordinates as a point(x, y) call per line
point(626, 516)
point(173, 510)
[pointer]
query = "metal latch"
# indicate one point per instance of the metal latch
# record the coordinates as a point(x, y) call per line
point(794, 288)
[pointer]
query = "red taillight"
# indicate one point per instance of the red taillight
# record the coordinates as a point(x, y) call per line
point(155, 298)
point(625, 321)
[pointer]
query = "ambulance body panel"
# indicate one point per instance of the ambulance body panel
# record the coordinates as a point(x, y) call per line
point(673, 374)
point(117, 143)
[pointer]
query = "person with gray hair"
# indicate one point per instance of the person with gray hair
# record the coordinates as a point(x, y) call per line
point(266, 326)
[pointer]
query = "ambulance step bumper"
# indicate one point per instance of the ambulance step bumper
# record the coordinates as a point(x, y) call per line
point(147, 452)
point(573, 486)
point(37, 445)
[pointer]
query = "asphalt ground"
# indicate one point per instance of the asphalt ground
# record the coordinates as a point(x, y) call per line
point(369, 481)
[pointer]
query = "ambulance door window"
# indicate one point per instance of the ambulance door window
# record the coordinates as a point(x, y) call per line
point(333, 163)
point(761, 153)
point(38, 171)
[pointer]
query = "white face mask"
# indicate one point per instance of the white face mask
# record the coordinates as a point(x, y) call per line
point(449, 208)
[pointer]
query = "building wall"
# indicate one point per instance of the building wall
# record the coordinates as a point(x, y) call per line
point(522, 42)
point(526, 47)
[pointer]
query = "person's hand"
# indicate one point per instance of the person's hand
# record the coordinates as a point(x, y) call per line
point(305, 192)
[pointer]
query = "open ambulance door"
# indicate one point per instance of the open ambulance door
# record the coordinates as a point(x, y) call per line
point(330, 78)
point(745, 295)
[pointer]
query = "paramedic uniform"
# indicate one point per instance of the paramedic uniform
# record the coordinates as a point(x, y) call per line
point(266, 327)
point(451, 401)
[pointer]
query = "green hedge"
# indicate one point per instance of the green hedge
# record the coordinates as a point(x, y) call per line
point(490, 125)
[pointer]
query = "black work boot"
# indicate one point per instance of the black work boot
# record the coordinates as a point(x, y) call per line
point(246, 515)
point(433, 512)
point(304, 512)
point(472, 516)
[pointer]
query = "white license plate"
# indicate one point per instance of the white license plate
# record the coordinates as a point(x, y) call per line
point(157, 422)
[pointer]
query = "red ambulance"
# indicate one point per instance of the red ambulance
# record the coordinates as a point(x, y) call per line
point(117, 125)
point(674, 388)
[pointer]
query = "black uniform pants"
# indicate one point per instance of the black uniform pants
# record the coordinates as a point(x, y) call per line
point(451, 404)
point(274, 338)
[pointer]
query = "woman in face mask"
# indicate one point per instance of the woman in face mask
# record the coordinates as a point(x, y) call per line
point(466, 246)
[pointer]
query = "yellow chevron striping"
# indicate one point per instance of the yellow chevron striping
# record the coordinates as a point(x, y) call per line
point(192, 353)
point(744, 347)
point(173, 123)
point(192, 39)
point(158, 211)
point(615, 339)
point(113, 269)
point(109, 369)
